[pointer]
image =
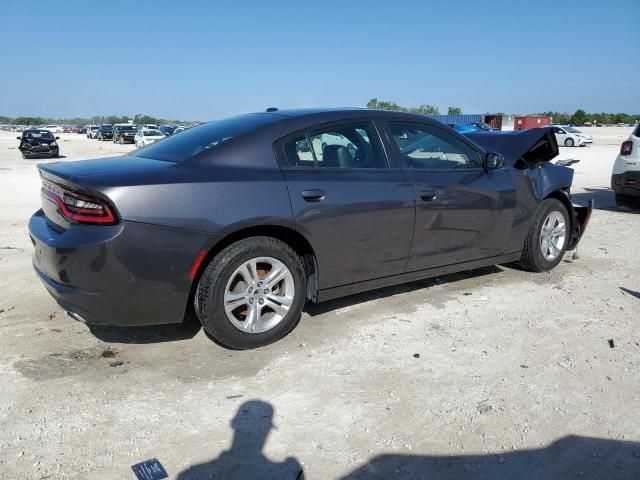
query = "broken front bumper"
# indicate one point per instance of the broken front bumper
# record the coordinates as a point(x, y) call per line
point(580, 220)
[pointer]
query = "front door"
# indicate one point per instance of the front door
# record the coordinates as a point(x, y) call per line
point(355, 208)
point(463, 212)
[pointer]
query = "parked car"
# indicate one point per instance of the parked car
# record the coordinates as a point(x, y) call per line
point(124, 133)
point(37, 142)
point(92, 131)
point(571, 136)
point(68, 129)
point(79, 129)
point(52, 128)
point(625, 177)
point(147, 137)
point(179, 129)
point(233, 222)
point(167, 130)
point(147, 126)
point(105, 132)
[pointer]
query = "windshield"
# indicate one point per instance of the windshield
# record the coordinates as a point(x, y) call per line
point(107, 127)
point(153, 133)
point(196, 140)
point(43, 134)
point(128, 127)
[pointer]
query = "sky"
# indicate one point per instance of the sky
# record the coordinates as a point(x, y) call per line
point(202, 60)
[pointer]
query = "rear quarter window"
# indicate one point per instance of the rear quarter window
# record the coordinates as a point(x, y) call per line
point(208, 136)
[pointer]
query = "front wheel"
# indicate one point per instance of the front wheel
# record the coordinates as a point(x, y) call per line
point(547, 238)
point(569, 142)
point(252, 293)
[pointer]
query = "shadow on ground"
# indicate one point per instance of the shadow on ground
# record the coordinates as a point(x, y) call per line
point(146, 334)
point(245, 459)
point(314, 309)
point(570, 457)
point(605, 199)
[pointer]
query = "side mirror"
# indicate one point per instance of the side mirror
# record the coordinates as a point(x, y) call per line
point(493, 161)
point(19, 138)
point(57, 138)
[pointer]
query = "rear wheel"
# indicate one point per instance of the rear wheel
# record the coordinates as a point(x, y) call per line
point(569, 142)
point(252, 293)
point(548, 235)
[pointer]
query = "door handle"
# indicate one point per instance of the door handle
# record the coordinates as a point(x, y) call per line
point(313, 195)
point(428, 195)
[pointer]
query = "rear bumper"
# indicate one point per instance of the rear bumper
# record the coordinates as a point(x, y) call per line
point(124, 274)
point(627, 184)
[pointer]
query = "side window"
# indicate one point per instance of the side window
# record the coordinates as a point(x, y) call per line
point(423, 146)
point(345, 146)
point(298, 151)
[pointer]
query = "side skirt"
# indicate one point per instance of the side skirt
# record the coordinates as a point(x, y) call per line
point(343, 291)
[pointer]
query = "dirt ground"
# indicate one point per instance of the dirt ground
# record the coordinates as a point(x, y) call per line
point(495, 373)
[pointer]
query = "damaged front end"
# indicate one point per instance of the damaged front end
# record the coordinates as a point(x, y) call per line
point(531, 151)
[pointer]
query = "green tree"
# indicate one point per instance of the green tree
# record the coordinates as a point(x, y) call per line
point(454, 111)
point(579, 118)
point(425, 110)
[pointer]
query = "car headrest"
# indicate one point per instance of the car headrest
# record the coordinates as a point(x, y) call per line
point(337, 156)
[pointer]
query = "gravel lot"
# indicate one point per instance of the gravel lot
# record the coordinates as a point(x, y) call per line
point(495, 373)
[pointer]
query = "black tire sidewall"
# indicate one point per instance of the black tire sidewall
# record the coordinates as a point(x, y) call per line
point(535, 255)
point(210, 295)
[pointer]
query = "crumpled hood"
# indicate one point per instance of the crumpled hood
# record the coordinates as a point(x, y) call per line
point(521, 148)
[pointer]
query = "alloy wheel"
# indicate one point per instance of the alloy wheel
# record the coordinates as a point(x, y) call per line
point(259, 294)
point(553, 236)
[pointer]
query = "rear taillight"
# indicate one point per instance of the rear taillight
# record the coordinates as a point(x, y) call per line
point(78, 207)
point(626, 148)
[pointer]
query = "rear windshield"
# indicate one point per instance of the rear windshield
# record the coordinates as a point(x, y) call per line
point(204, 137)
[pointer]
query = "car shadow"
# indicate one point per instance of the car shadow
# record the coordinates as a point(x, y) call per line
point(570, 457)
point(245, 459)
point(314, 309)
point(604, 198)
point(147, 334)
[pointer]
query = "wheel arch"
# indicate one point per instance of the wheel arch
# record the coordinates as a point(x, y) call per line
point(288, 235)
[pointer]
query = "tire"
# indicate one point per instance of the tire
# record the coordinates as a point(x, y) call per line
point(533, 258)
point(569, 142)
point(218, 278)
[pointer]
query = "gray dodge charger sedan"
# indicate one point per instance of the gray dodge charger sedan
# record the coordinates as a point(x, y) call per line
point(242, 221)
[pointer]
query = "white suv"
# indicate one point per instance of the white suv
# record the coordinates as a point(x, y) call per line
point(625, 177)
point(570, 136)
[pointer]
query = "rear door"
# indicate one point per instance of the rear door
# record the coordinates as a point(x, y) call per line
point(463, 212)
point(356, 208)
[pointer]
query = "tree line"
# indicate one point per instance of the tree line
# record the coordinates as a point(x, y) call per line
point(579, 117)
point(422, 109)
point(138, 118)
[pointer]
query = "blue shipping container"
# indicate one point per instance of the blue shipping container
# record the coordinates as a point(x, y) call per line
point(458, 118)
